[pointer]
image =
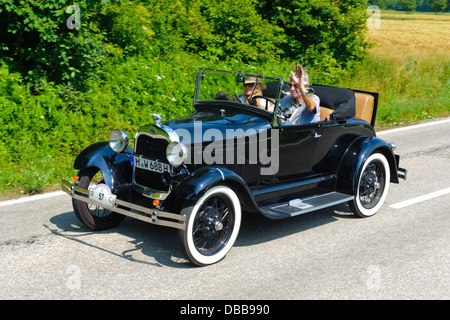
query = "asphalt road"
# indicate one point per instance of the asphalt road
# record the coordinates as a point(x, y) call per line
point(400, 253)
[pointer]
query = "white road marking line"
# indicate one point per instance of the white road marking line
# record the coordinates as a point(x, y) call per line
point(425, 197)
point(416, 126)
point(31, 198)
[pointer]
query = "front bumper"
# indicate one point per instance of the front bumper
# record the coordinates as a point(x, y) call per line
point(151, 215)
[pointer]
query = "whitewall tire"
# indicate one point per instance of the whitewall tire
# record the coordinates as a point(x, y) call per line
point(373, 186)
point(212, 226)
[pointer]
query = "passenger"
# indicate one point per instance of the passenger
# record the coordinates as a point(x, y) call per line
point(305, 109)
point(222, 96)
point(249, 93)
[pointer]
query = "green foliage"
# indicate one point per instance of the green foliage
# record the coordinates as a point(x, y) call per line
point(406, 5)
point(328, 35)
point(68, 75)
point(37, 42)
point(233, 29)
point(438, 5)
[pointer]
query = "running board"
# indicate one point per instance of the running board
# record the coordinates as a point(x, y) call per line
point(300, 206)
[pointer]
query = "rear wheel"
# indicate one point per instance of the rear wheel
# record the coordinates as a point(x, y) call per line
point(373, 186)
point(92, 216)
point(212, 226)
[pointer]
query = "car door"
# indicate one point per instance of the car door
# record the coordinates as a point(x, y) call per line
point(298, 147)
point(297, 154)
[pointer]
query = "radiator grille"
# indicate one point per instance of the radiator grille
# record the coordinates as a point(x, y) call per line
point(155, 149)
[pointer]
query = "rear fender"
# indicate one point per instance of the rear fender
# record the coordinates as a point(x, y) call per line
point(354, 159)
point(115, 167)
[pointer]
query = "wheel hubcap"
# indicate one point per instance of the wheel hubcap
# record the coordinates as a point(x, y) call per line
point(218, 225)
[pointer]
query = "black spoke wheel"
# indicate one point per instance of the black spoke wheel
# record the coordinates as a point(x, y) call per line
point(92, 216)
point(373, 186)
point(212, 225)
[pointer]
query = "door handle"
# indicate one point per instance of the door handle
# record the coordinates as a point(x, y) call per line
point(316, 135)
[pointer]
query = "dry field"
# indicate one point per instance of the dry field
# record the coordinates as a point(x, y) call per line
point(403, 36)
point(409, 66)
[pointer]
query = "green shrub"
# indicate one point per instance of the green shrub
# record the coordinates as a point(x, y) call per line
point(64, 83)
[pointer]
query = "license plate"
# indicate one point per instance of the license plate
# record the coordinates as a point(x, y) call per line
point(101, 195)
point(151, 165)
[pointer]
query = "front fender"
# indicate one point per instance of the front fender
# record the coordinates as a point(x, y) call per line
point(195, 185)
point(354, 159)
point(115, 167)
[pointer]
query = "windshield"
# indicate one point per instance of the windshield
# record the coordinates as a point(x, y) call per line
point(246, 89)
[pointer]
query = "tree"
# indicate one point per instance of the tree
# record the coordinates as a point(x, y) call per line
point(325, 33)
point(55, 41)
point(438, 5)
point(231, 29)
point(380, 3)
point(406, 5)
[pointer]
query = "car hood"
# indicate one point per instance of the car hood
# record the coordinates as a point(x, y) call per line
point(208, 126)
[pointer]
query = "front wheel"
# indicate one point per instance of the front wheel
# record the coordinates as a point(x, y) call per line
point(92, 216)
point(212, 226)
point(373, 186)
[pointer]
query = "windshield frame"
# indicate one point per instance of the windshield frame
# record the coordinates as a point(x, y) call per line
point(240, 78)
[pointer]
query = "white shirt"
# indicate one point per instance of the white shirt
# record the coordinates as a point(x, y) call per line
point(300, 113)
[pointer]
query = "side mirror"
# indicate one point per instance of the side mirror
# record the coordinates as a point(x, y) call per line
point(287, 113)
point(309, 92)
point(284, 114)
point(240, 78)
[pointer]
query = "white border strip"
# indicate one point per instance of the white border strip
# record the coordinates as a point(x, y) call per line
point(425, 197)
point(31, 198)
point(416, 126)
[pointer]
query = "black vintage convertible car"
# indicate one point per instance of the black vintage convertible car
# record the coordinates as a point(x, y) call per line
point(199, 173)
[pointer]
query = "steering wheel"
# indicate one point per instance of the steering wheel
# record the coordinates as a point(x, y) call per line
point(264, 97)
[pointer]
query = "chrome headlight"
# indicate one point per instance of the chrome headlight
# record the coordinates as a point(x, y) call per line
point(176, 152)
point(118, 140)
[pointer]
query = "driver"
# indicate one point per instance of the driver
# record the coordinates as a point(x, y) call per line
point(251, 91)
